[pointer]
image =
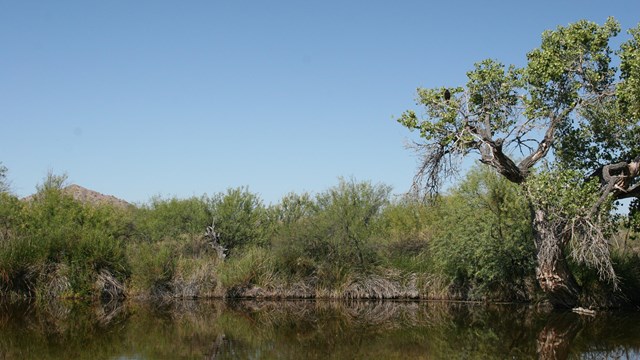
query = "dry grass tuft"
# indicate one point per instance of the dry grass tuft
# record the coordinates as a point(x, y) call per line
point(54, 282)
point(109, 288)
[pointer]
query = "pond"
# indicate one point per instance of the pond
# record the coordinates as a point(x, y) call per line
point(310, 330)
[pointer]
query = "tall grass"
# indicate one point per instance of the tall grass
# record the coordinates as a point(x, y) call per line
point(254, 266)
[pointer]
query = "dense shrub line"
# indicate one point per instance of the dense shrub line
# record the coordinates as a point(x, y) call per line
point(353, 240)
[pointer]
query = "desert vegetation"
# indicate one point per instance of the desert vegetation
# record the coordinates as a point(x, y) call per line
point(353, 240)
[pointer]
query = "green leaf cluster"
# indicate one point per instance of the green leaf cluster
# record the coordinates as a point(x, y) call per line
point(563, 194)
point(571, 61)
point(628, 90)
point(493, 93)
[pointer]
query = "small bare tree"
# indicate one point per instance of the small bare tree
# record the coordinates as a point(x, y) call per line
point(213, 239)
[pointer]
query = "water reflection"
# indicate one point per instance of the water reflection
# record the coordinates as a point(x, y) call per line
point(308, 329)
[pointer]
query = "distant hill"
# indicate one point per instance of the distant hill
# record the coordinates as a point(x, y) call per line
point(87, 196)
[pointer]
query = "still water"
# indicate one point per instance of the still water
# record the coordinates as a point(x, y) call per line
point(310, 330)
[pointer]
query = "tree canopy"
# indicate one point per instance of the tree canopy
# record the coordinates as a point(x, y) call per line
point(569, 99)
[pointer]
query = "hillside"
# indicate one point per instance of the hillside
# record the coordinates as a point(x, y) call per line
point(88, 196)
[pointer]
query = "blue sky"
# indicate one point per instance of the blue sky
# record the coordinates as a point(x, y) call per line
point(183, 98)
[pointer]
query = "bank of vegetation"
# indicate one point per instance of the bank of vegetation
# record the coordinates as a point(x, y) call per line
point(353, 240)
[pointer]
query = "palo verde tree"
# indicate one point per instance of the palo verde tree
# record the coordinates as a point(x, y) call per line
point(570, 106)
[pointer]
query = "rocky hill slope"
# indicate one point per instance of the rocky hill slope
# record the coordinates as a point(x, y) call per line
point(88, 196)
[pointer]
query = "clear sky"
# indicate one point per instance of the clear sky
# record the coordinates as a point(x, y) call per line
point(182, 98)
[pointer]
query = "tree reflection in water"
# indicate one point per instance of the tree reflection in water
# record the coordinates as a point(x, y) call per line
point(309, 329)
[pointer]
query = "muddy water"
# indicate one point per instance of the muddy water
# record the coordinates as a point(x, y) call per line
point(310, 330)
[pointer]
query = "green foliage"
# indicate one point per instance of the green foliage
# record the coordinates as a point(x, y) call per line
point(348, 214)
point(152, 265)
point(629, 89)
point(240, 218)
point(570, 60)
point(494, 91)
point(11, 216)
point(181, 266)
point(406, 229)
point(627, 267)
point(52, 182)
point(634, 216)
point(54, 229)
point(293, 208)
point(255, 265)
point(294, 241)
point(165, 219)
point(332, 236)
point(478, 237)
point(443, 113)
point(562, 194)
point(483, 237)
point(491, 90)
point(607, 130)
point(600, 136)
point(295, 246)
point(568, 204)
point(567, 72)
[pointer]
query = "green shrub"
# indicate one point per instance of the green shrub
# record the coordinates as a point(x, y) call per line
point(293, 208)
point(52, 231)
point(484, 237)
point(333, 235)
point(169, 218)
point(347, 220)
point(11, 216)
point(15, 252)
point(240, 218)
point(297, 249)
point(406, 229)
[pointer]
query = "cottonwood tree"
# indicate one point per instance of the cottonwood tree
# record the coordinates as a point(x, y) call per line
point(569, 106)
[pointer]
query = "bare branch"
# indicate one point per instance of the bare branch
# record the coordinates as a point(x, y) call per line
point(589, 246)
point(437, 164)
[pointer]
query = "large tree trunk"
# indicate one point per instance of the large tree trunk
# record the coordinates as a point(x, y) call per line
point(552, 271)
